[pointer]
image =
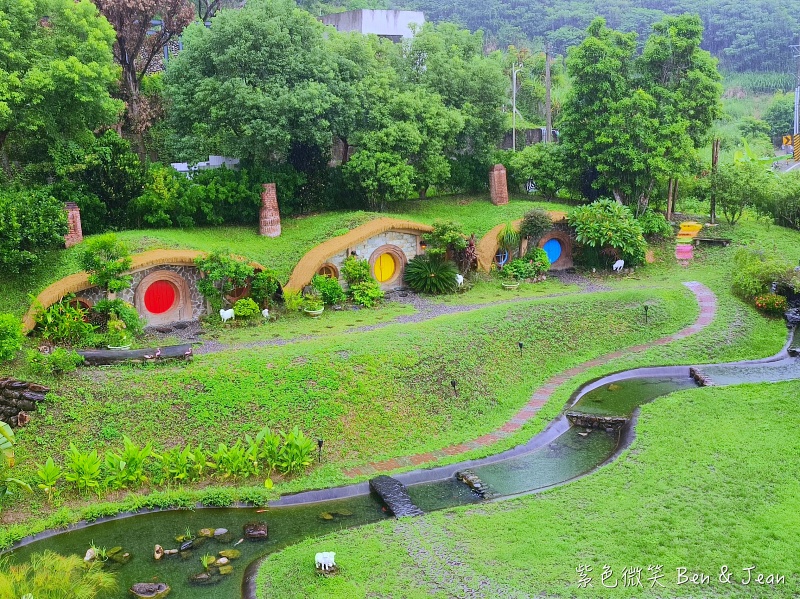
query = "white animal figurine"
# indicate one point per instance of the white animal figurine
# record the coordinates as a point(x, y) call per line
point(325, 559)
point(226, 315)
point(459, 279)
point(618, 265)
point(265, 312)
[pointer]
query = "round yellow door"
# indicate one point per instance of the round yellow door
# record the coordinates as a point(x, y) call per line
point(384, 267)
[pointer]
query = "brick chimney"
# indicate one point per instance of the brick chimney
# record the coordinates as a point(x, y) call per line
point(74, 232)
point(498, 186)
point(270, 220)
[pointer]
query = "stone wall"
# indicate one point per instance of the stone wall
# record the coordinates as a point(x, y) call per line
point(498, 185)
point(74, 230)
point(408, 243)
point(19, 397)
point(608, 423)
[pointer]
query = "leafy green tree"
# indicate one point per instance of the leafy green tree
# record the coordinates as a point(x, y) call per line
point(30, 222)
point(10, 336)
point(106, 259)
point(741, 184)
point(544, 163)
point(56, 75)
point(780, 115)
point(610, 229)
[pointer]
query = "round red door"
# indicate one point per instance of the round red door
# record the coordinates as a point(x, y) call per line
point(159, 297)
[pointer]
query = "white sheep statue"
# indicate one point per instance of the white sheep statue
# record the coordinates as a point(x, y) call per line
point(325, 561)
point(459, 279)
point(265, 312)
point(618, 265)
point(226, 315)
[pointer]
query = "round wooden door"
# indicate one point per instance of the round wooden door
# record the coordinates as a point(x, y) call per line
point(159, 297)
point(385, 267)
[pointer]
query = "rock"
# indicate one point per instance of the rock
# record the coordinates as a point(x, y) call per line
point(150, 590)
point(231, 553)
point(186, 545)
point(583, 434)
point(120, 558)
point(256, 531)
point(223, 561)
point(206, 532)
point(224, 570)
point(218, 532)
point(90, 555)
point(113, 551)
point(326, 516)
point(38, 388)
point(23, 418)
point(203, 578)
point(170, 551)
point(158, 552)
point(613, 387)
point(344, 512)
point(32, 396)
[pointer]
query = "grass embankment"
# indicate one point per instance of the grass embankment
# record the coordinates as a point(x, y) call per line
point(377, 395)
point(709, 482)
point(298, 236)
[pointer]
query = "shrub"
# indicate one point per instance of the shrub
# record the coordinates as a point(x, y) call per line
point(605, 224)
point(355, 270)
point(83, 468)
point(127, 468)
point(446, 236)
point(246, 308)
point(106, 258)
point(519, 270)
point(654, 224)
point(545, 164)
point(535, 223)
point(164, 201)
point(292, 300)
point(538, 257)
point(431, 274)
point(30, 222)
point(755, 272)
point(263, 287)
point(49, 574)
point(313, 303)
point(222, 275)
point(771, 303)
point(10, 336)
point(367, 293)
point(124, 312)
point(296, 453)
point(117, 335)
point(329, 289)
point(64, 322)
point(59, 361)
point(509, 239)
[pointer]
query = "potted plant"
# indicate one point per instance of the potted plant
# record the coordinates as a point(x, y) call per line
point(313, 305)
point(117, 337)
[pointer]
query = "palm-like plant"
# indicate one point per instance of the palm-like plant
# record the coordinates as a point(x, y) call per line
point(49, 575)
point(431, 274)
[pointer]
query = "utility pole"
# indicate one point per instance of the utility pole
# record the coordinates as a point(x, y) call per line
point(796, 131)
point(548, 106)
point(514, 70)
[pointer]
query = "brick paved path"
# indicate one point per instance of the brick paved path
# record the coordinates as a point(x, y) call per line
point(708, 307)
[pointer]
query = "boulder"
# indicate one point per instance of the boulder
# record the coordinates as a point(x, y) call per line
point(231, 553)
point(186, 545)
point(218, 532)
point(206, 532)
point(226, 570)
point(150, 590)
point(222, 561)
point(256, 531)
point(203, 578)
point(158, 552)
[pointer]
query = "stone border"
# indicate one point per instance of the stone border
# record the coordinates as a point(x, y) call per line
point(183, 298)
point(400, 261)
point(708, 307)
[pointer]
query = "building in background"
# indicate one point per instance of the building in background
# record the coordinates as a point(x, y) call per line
point(391, 24)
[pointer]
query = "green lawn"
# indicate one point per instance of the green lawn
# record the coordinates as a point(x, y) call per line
point(710, 481)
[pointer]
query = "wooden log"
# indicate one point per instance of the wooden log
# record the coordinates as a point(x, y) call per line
point(102, 357)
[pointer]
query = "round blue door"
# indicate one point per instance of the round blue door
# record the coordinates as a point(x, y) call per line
point(553, 250)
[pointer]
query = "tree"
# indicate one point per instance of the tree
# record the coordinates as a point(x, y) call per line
point(740, 184)
point(30, 222)
point(780, 115)
point(544, 164)
point(107, 259)
point(609, 229)
point(139, 42)
point(56, 74)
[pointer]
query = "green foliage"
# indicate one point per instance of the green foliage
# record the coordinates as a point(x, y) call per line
point(232, 462)
point(207, 560)
point(431, 274)
point(771, 303)
point(246, 308)
point(607, 224)
point(183, 464)
point(127, 468)
point(124, 311)
point(755, 271)
point(367, 293)
point(84, 469)
point(106, 259)
point(750, 127)
point(446, 236)
point(263, 286)
point(57, 362)
point(292, 300)
point(740, 184)
point(163, 202)
point(30, 222)
point(48, 575)
point(545, 164)
point(222, 275)
point(329, 289)
point(64, 322)
point(313, 302)
point(654, 224)
point(519, 270)
point(354, 270)
point(48, 474)
point(509, 238)
point(538, 259)
point(296, 454)
point(535, 223)
point(117, 335)
point(10, 336)
point(780, 115)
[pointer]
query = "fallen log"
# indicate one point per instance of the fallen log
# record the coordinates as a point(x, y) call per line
point(103, 357)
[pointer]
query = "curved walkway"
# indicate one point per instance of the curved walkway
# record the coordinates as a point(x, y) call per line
point(708, 307)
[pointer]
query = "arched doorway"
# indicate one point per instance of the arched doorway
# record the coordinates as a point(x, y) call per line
point(163, 297)
point(387, 264)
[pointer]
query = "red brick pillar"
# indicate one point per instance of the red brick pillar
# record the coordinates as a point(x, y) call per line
point(270, 219)
point(74, 232)
point(498, 186)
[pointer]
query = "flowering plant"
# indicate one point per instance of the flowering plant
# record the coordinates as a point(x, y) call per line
point(771, 303)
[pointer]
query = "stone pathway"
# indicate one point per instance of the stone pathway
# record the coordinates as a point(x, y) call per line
point(708, 307)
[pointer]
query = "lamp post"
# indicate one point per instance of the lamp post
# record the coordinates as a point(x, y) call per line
point(514, 70)
point(455, 391)
point(646, 308)
point(319, 450)
point(521, 346)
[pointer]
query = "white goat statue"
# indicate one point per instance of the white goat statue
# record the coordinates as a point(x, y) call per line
point(325, 561)
point(618, 265)
point(459, 279)
point(226, 315)
point(265, 312)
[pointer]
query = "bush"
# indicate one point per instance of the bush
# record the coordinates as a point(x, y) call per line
point(446, 236)
point(263, 287)
point(367, 293)
point(64, 322)
point(771, 303)
point(30, 222)
point(519, 270)
point(535, 223)
point(606, 225)
point(296, 453)
point(313, 302)
point(124, 312)
point(755, 272)
point(654, 224)
point(106, 258)
point(164, 201)
point(431, 274)
point(222, 275)
point(538, 258)
point(246, 308)
point(329, 289)
point(355, 270)
point(59, 361)
point(292, 300)
point(10, 336)
point(545, 164)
